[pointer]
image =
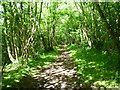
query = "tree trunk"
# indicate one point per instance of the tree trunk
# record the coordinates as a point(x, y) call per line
point(109, 29)
point(6, 36)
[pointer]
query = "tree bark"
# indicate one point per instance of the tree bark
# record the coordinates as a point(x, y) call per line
point(6, 36)
point(108, 27)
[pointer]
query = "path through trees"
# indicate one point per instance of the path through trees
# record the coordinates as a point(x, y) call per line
point(33, 31)
point(59, 74)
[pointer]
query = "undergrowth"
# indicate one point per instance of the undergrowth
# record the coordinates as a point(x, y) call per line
point(15, 72)
point(97, 68)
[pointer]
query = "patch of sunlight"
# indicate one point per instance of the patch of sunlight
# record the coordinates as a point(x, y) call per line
point(81, 68)
point(23, 72)
point(93, 66)
point(58, 49)
point(86, 81)
point(80, 72)
point(8, 86)
point(50, 55)
point(12, 66)
point(91, 63)
point(77, 60)
point(106, 84)
point(39, 67)
point(46, 56)
point(35, 76)
point(90, 77)
point(73, 52)
point(99, 65)
point(113, 84)
point(63, 85)
point(33, 68)
point(33, 72)
point(16, 80)
point(79, 65)
point(27, 69)
point(42, 56)
point(83, 61)
point(46, 63)
point(18, 75)
point(104, 52)
point(22, 75)
point(7, 77)
point(29, 59)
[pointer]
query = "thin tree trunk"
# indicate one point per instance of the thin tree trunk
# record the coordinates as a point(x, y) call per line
point(6, 36)
point(109, 29)
point(40, 13)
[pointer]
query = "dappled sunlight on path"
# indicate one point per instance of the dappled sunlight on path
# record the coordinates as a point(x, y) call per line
point(59, 74)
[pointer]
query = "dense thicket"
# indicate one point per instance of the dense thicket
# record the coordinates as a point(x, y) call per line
point(32, 27)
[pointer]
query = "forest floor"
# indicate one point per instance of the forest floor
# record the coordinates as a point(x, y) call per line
point(60, 73)
point(67, 67)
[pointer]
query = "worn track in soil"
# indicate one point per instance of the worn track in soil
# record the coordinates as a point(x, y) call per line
point(59, 74)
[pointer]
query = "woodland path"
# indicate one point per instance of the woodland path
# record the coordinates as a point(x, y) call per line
point(60, 73)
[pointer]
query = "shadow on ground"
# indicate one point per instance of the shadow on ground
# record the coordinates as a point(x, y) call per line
point(20, 76)
point(96, 67)
point(60, 73)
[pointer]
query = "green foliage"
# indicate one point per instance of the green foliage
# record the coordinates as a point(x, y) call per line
point(15, 72)
point(30, 31)
point(96, 67)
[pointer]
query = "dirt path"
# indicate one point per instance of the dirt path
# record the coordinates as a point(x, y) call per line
point(59, 74)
